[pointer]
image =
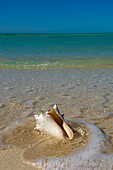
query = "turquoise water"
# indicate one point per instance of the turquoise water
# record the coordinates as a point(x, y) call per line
point(82, 94)
point(56, 50)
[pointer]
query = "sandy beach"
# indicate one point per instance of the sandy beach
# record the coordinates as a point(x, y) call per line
point(11, 160)
point(82, 94)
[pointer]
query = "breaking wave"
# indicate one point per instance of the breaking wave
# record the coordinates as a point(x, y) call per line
point(55, 64)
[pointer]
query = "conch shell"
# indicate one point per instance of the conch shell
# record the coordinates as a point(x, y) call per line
point(53, 123)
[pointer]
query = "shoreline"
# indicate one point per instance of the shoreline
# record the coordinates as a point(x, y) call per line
point(88, 64)
point(80, 94)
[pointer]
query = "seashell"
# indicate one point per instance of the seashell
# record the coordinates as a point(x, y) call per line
point(46, 125)
point(53, 123)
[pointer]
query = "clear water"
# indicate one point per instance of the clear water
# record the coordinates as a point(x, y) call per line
point(53, 50)
point(81, 93)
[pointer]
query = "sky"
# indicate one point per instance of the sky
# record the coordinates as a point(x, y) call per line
point(56, 16)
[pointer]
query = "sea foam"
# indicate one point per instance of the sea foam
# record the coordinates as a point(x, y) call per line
point(95, 155)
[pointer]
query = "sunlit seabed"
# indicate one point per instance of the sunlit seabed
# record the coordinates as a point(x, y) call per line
point(56, 50)
point(82, 94)
point(74, 71)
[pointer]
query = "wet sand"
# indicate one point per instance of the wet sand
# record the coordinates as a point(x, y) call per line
point(11, 160)
point(82, 94)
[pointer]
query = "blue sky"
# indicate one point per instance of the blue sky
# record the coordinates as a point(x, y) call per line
point(56, 16)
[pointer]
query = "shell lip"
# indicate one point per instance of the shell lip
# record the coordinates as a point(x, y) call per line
point(59, 119)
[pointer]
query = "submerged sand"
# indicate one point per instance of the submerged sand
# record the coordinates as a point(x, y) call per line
point(80, 94)
point(11, 160)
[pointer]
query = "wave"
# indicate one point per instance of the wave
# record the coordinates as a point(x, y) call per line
point(95, 154)
point(91, 63)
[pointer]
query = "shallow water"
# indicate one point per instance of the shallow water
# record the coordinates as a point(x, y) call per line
point(97, 154)
point(55, 50)
point(82, 94)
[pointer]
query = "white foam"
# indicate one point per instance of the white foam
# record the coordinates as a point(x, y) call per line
point(10, 128)
point(90, 157)
point(36, 117)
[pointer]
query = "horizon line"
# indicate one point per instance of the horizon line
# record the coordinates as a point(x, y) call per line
point(60, 33)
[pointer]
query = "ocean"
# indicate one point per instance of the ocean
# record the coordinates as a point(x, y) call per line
point(56, 50)
point(74, 71)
